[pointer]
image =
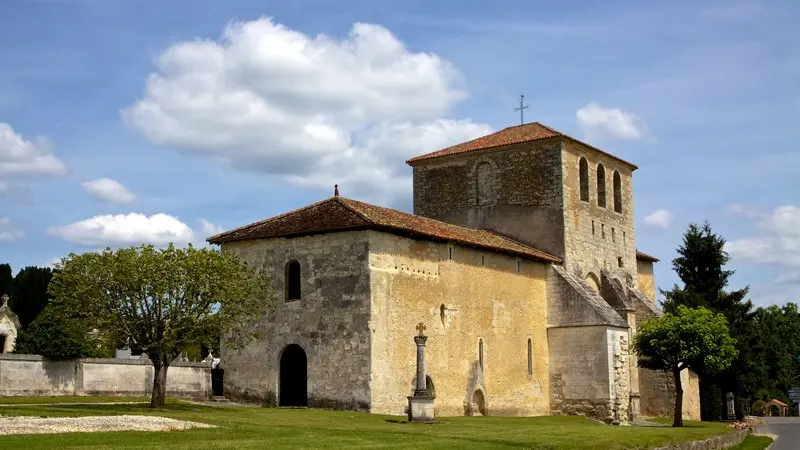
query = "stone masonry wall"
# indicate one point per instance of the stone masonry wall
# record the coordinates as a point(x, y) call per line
point(477, 296)
point(589, 372)
point(330, 322)
point(597, 237)
point(646, 279)
point(34, 375)
point(9, 330)
point(515, 190)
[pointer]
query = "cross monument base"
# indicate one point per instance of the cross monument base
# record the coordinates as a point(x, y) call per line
point(420, 409)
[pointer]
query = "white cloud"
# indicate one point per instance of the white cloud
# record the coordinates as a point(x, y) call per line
point(128, 229)
point(19, 156)
point(751, 211)
point(109, 190)
point(778, 243)
point(660, 218)
point(315, 109)
point(209, 228)
point(610, 123)
point(8, 232)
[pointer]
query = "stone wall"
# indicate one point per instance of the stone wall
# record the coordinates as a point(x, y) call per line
point(658, 394)
point(33, 375)
point(598, 237)
point(330, 321)
point(515, 190)
point(645, 279)
point(474, 297)
point(589, 372)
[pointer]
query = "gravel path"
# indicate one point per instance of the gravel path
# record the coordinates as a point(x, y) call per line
point(36, 425)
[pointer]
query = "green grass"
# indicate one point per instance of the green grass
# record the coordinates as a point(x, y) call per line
point(258, 428)
point(753, 443)
point(71, 399)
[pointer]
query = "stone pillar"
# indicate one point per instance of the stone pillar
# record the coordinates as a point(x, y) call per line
point(422, 385)
point(420, 405)
point(635, 396)
point(731, 405)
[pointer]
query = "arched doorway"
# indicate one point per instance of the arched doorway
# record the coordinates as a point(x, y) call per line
point(478, 403)
point(293, 390)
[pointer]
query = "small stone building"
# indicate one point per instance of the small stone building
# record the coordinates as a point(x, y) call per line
point(9, 325)
point(520, 260)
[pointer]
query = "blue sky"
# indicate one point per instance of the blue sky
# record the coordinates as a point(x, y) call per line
point(123, 122)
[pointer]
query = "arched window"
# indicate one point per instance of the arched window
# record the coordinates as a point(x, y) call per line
point(601, 186)
point(617, 192)
point(442, 310)
point(480, 352)
point(292, 281)
point(584, 175)
point(530, 357)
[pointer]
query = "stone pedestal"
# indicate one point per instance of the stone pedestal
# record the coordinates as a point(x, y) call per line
point(633, 409)
point(420, 408)
point(731, 406)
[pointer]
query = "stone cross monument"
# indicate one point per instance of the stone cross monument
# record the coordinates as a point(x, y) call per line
point(420, 405)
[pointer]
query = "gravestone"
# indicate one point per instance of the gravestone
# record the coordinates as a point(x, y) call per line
point(420, 405)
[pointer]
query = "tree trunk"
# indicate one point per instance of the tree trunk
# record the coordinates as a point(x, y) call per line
point(159, 384)
point(678, 421)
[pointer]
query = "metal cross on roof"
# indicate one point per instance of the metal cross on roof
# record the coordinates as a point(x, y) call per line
point(521, 109)
point(421, 328)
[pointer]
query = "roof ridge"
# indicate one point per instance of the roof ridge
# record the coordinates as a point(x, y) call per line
point(344, 200)
point(254, 224)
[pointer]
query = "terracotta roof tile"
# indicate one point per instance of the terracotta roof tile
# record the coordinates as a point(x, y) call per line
point(339, 214)
point(646, 257)
point(512, 135)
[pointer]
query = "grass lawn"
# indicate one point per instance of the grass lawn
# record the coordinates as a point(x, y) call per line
point(753, 443)
point(243, 428)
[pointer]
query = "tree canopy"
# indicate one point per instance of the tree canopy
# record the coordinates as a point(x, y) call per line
point(701, 265)
point(696, 339)
point(5, 279)
point(159, 300)
point(29, 293)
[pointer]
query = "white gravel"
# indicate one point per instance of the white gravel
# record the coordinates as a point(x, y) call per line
point(36, 425)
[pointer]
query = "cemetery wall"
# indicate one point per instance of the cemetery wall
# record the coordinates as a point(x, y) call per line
point(33, 375)
point(480, 309)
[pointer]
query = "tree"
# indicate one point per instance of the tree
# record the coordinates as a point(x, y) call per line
point(29, 293)
point(695, 339)
point(5, 279)
point(160, 300)
point(701, 266)
point(58, 336)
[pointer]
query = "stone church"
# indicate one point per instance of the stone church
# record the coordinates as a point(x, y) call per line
point(520, 259)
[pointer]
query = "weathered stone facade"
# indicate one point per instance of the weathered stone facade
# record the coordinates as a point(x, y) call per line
point(472, 298)
point(534, 315)
point(9, 326)
point(330, 321)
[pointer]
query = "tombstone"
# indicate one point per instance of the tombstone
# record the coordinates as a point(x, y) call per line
point(420, 405)
point(730, 404)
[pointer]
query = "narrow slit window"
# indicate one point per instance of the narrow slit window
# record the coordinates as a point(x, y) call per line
point(617, 192)
point(293, 281)
point(530, 357)
point(601, 186)
point(480, 353)
point(584, 179)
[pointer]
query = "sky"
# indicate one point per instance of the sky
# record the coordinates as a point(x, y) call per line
point(128, 122)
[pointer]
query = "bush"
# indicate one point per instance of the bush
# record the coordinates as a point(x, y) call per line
point(758, 408)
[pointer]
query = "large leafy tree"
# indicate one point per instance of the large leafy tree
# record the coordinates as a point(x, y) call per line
point(29, 293)
point(160, 300)
point(701, 265)
point(695, 339)
point(57, 336)
point(5, 279)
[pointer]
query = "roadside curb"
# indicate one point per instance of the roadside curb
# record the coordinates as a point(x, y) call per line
point(774, 438)
point(712, 443)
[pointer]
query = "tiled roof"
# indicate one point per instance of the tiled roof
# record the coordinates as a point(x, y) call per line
point(645, 257)
point(512, 135)
point(339, 214)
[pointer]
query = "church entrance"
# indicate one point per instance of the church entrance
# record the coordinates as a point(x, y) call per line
point(293, 390)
